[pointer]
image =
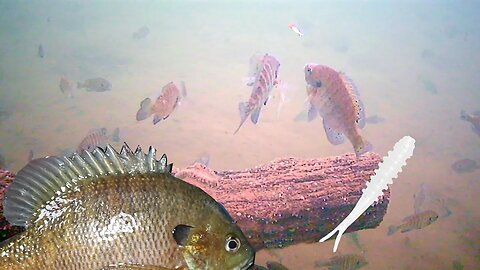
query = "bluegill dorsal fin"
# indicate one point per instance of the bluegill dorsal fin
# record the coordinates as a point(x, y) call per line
point(353, 89)
point(41, 179)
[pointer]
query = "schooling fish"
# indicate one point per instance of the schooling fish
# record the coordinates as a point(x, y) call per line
point(265, 78)
point(465, 165)
point(104, 209)
point(95, 85)
point(98, 138)
point(415, 222)
point(334, 96)
point(41, 52)
point(66, 86)
point(141, 33)
point(165, 104)
point(473, 119)
point(344, 262)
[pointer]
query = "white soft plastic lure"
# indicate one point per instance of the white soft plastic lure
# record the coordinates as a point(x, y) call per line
point(388, 170)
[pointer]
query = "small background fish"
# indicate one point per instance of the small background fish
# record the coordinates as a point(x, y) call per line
point(473, 119)
point(95, 85)
point(465, 165)
point(41, 52)
point(98, 138)
point(66, 86)
point(427, 198)
point(141, 33)
point(415, 222)
point(344, 262)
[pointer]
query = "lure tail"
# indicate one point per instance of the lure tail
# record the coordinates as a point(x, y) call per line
point(388, 170)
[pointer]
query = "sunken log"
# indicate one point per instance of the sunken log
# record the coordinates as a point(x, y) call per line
point(286, 201)
point(291, 200)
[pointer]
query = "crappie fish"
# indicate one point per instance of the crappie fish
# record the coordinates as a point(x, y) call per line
point(104, 209)
point(265, 78)
point(98, 138)
point(344, 262)
point(165, 104)
point(473, 119)
point(66, 87)
point(95, 85)
point(334, 96)
point(415, 222)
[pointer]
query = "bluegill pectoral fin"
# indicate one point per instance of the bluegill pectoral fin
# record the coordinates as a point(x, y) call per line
point(255, 115)
point(312, 113)
point(145, 109)
point(181, 233)
point(156, 119)
point(333, 136)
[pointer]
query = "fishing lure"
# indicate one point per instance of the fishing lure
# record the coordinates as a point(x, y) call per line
point(388, 170)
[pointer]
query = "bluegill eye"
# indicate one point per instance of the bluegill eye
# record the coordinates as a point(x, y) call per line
point(232, 244)
point(309, 70)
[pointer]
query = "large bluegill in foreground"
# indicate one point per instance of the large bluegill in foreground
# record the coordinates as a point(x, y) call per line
point(106, 210)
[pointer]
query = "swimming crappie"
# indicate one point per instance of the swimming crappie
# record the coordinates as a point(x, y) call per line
point(105, 209)
point(265, 78)
point(332, 95)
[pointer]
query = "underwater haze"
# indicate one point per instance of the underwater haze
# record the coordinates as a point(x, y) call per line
point(76, 69)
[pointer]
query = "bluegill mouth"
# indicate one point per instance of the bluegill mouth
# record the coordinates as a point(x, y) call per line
point(250, 264)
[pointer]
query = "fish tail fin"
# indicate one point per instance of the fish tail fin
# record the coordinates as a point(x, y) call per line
point(116, 135)
point(244, 109)
point(392, 229)
point(145, 109)
point(363, 147)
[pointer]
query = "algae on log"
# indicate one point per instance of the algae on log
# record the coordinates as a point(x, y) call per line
point(284, 202)
point(290, 200)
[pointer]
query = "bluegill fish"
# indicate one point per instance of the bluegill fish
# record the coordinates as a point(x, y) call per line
point(334, 96)
point(98, 138)
point(104, 209)
point(95, 85)
point(264, 79)
point(415, 222)
point(165, 104)
point(66, 86)
point(344, 262)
